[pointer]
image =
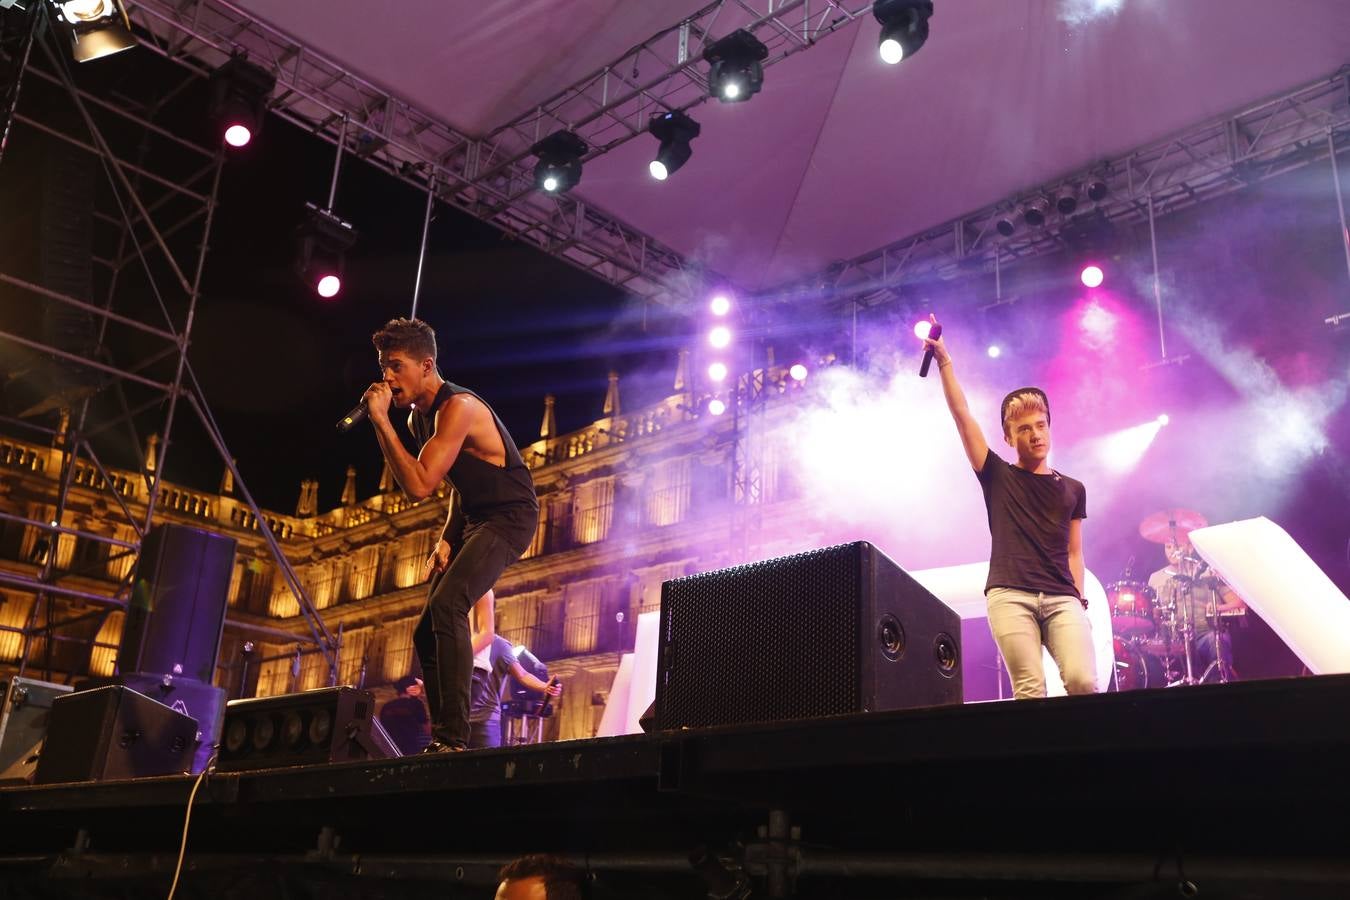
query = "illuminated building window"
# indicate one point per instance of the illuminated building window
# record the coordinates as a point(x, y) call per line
point(581, 617)
point(667, 492)
point(592, 511)
point(365, 566)
point(103, 655)
point(14, 609)
point(410, 563)
point(398, 648)
point(355, 644)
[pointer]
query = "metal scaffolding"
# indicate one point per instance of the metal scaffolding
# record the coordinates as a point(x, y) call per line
point(1204, 162)
point(72, 378)
point(489, 177)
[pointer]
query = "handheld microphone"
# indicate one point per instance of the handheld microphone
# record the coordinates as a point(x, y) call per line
point(933, 334)
point(353, 418)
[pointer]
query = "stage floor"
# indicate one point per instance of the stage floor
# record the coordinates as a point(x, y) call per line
point(1239, 787)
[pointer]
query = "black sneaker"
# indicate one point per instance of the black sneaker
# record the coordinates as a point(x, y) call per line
point(442, 747)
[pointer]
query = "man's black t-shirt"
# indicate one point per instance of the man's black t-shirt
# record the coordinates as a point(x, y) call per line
point(1029, 519)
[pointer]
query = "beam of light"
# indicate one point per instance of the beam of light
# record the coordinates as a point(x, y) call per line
point(716, 406)
point(720, 305)
point(551, 183)
point(717, 371)
point(994, 351)
point(892, 51)
point(658, 170)
point(1098, 325)
point(328, 286)
point(238, 135)
point(922, 328)
point(1092, 276)
point(1083, 12)
point(798, 372)
point(1164, 419)
point(720, 336)
point(1121, 452)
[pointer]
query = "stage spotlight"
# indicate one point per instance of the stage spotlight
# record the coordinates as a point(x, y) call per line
point(1096, 190)
point(1092, 276)
point(921, 329)
point(324, 242)
point(720, 305)
point(559, 166)
point(1005, 224)
point(798, 372)
point(1034, 212)
point(716, 406)
point(720, 336)
point(1164, 419)
point(904, 27)
point(994, 351)
point(736, 70)
point(717, 371)
point(674, 130)
point(98, 28)
point(239, 94)
point(1066, 201)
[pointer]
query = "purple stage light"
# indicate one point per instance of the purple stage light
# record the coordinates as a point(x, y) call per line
point(328, 286)
point(720, 336)
point(798, 372)
point(1164, 419)
point(720, 305)
point(1092, 276)
point(716, 407)
point(922, 328)
point(994, 351)
point(238, 135)
point(717, 371)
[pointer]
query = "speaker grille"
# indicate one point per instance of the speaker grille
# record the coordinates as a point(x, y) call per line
point(762, 642)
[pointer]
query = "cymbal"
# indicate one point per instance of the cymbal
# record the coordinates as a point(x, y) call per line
point(1164, 526)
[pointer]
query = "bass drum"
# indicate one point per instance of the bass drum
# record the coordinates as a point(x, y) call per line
point(1134, 669)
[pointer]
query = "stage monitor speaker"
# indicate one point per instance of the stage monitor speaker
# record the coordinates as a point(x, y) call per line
point(203, 702)
point(838, 630)
point(335, 724)
point(113, 732)
point(177, 614)
point(24, 715)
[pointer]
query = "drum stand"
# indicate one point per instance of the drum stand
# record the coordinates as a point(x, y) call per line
point(1187, 617)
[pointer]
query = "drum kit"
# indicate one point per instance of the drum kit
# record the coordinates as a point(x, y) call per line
point(1154, 628)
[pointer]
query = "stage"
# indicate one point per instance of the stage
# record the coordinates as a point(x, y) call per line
point(1225, 790)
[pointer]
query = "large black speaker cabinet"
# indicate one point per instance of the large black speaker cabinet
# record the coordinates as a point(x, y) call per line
point(334, 724)
point(832, 631)
point(177, 613)
point(25, 709)
point(114, 732)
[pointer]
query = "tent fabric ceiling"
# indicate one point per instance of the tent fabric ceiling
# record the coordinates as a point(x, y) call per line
point(841, 154)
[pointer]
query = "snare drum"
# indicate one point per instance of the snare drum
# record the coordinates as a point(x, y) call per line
point(1132, 605)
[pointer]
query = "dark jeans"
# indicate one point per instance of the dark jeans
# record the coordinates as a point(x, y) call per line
point(442, 638)
point(1206, 646)
point(487, 733)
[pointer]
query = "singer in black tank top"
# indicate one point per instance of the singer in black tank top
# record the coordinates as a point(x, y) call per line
point(500, 498)
point(493, 515)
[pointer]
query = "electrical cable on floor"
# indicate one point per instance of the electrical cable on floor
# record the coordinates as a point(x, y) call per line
point(187, 818)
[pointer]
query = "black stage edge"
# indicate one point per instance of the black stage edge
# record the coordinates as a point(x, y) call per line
point(1236, 790)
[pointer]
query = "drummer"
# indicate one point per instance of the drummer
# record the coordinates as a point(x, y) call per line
point(1183, 586)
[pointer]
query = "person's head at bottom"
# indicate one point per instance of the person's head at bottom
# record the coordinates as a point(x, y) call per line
point(541, 877)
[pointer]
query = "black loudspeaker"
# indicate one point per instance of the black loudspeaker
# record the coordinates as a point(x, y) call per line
point(177, 611)
point(203, 702)
point(832, 631)
point(114, 732)
point(334, 724)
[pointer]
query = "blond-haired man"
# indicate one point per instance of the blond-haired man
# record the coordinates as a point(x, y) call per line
point(1035, 586)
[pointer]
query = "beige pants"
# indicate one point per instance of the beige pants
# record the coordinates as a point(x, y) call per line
point(1021, 621)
